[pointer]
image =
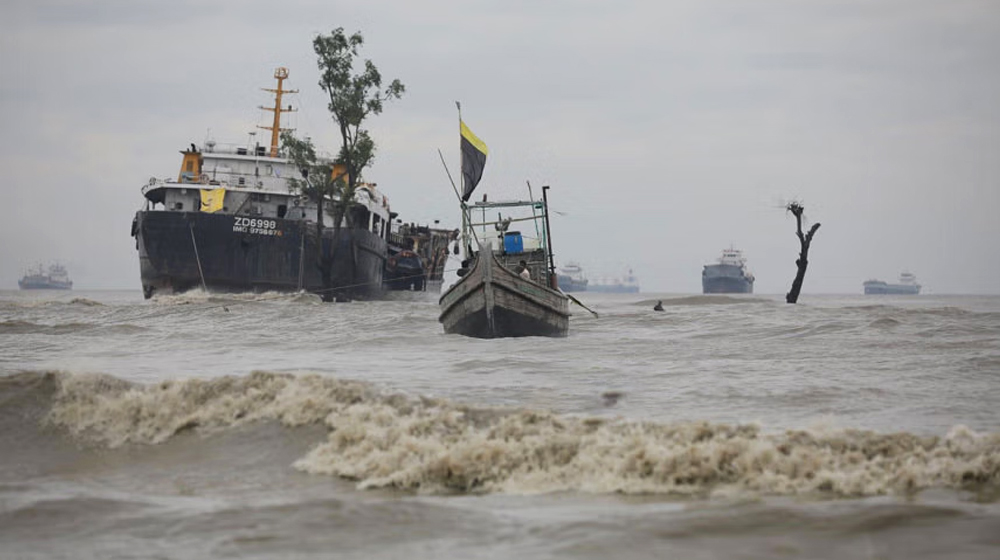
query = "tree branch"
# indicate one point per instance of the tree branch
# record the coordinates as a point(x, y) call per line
point(812, 231)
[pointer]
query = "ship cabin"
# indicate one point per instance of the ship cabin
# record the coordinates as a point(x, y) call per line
point(249, 181)
point(732, 257)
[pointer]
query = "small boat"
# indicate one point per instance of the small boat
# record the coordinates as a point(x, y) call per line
point(510, 288)
point(491, 300)
point(417, 257)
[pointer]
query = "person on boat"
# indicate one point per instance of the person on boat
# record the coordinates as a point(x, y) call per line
point(658, 306)
point(523, 270)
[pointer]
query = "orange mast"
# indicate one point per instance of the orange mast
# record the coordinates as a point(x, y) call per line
point(280, 73)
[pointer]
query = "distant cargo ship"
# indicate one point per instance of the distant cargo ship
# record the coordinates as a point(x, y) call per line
point(907, 286)
point(38, 279)
point(728, 276)
point(571, 278)
point(627, 284)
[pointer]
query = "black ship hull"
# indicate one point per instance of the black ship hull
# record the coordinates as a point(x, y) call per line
point(726, 286)
point(725, 279)
point(180, 251)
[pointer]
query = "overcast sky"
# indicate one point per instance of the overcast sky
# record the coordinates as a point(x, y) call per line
point(667, 130)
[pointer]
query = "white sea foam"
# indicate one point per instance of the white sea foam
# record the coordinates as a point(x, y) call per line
point(383, 440)
point(199, 296)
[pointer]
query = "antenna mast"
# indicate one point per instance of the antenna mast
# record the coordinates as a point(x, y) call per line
point(280, 74)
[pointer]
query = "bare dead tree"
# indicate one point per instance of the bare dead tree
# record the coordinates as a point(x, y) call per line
point(804, 241)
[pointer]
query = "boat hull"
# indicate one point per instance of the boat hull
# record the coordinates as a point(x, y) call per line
point(178, 250)
point(613, 289)
point(880, 288)
point(405, 271)
point(725, 279)
point(31, 284)
point(417, 258)
point(491, 301)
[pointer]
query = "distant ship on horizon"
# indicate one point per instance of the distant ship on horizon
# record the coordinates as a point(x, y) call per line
point(571, 278)
point(627, 284)
point(56, 278)
point(907, 286)
point(728, 276)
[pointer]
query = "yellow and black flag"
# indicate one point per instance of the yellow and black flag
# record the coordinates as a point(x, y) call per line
point(473, 160)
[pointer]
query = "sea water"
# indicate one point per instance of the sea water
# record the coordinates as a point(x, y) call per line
point(278, 426)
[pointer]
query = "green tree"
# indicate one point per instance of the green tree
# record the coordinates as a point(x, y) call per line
point(319, 185)
point(353, 97)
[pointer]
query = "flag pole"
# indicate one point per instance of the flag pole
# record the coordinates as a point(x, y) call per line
point(461, 201)
point(553, 281)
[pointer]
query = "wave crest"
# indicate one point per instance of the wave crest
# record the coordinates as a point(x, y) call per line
point(114, 412)
point(386, 440)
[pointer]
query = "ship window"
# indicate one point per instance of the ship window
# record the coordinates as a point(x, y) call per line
point(178, 206)
point(243, 181)
point(282, 210)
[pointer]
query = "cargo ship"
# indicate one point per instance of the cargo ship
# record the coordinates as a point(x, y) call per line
point(907, 286)
point(55, 278)
point(571, 278)
point(728, 276)
point(627, 284)
point(230, 221)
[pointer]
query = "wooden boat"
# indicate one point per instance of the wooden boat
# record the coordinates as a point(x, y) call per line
point(493, 301)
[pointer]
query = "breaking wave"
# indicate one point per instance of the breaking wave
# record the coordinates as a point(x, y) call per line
point(202, 297)
point(85, 302)
point(381, 439)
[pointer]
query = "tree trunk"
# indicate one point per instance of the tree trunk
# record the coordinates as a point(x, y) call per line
point(323, 262)
point(803, 261)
